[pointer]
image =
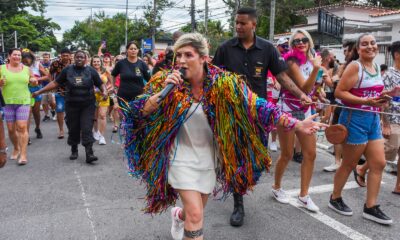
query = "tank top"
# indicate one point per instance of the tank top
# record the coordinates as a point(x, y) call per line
point(288, 104)
point(36, 71)
point(367, 86)
point(15, 90)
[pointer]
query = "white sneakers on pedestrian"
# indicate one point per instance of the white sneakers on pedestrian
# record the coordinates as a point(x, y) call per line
point(331, 168)
point(273, 147)
point(307, 203)
point(177, 224)
point(280, 195)
point(96, 135)
point(102, 140)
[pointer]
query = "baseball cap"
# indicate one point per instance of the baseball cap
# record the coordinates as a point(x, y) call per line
point(282, 40)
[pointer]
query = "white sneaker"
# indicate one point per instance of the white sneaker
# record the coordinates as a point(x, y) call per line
point(280, 195)
point(102, 140)
point(331, 168)
point(273, 147)
point(55, 117)
point(307, 203)
point(96, 135)
point(177, 224)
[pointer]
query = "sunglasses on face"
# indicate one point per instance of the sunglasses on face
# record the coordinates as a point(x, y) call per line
point(303, 40)
point(284, 46)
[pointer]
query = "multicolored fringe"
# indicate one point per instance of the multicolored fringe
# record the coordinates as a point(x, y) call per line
point(240, 122)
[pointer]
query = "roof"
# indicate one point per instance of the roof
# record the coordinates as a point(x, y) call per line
point(385, 13)
point(343, 4)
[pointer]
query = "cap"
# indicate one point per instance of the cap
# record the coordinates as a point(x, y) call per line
point(282, 40)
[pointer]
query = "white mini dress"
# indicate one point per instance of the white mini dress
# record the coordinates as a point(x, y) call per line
point(192, 155)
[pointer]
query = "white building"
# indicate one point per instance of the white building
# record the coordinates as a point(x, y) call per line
point(383, 23)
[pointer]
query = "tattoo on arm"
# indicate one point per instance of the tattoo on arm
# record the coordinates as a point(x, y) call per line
point(288, 84)
point(193, 234)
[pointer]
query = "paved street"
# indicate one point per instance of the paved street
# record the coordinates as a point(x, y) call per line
point(55, 198)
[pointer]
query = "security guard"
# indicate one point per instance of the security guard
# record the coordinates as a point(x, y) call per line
point(79, 81)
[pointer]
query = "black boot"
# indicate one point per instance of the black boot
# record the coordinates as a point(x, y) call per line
point(238, 211)
point(74, 152)
point(90, 157)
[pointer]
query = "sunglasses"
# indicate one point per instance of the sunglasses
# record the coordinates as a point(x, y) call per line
point(303, 40)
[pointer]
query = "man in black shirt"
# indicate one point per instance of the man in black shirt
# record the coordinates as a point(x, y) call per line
point(252, 57)
point(80, 103)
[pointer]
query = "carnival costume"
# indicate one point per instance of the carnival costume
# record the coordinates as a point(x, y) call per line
point(238, 119)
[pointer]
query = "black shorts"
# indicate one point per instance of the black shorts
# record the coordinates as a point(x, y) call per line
point(331, 97)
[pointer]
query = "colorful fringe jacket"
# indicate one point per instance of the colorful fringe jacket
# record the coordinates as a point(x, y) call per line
point(238, 118)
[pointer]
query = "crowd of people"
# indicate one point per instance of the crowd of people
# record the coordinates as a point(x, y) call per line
point(210, 130)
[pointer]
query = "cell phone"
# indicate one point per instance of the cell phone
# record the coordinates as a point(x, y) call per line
point(385, 97)
point(103, 43)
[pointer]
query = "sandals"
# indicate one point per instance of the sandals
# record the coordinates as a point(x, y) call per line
point(357, 177)
point(115, 129)
point(22, 162)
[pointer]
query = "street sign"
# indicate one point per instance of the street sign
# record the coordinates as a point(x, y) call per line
point(147, 45)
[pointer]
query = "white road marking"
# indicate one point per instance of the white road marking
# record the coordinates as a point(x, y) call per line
point(86, 204)
point(323, 188)
point(325, 219)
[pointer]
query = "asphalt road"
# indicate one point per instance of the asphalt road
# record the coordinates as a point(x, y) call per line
point(55, 198)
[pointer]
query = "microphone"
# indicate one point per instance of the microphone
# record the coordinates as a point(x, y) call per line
point(170, 86)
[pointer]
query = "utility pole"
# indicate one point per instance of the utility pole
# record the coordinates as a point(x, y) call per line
point(272, 21)
point(15, 39)
point(2, 42)
point(126, 24)
point(153, 29)
point(206, 19)
point(192, 15)
point(237, 5)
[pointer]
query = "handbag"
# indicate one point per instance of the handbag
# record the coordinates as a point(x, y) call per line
point(337, 133)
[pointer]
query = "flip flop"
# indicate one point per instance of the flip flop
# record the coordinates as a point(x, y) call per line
point(397, 193)
point(22, 162)
point(115, 129)
point(60, 137)
point(356, 176)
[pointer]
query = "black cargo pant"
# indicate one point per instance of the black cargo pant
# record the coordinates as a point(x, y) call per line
point(79, 119)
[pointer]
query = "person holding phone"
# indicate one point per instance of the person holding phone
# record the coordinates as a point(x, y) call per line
point(362, 89)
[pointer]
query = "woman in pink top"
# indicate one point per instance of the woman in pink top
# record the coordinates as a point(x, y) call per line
point(360, 87)
point(304, 68)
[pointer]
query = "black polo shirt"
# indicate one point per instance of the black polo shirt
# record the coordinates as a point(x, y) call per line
point(254, 62)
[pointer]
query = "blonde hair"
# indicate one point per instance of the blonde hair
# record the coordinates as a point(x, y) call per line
point(310, 42)
point(195, 40)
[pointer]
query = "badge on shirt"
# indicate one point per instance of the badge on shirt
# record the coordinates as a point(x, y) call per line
point(258, 71)
point(78, 80)
point(138, 72)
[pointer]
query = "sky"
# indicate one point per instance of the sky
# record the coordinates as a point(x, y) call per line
point(66, 12)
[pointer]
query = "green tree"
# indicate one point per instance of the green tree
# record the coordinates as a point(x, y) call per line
point(34, 32)
point(89, 33)
point(385, 3)
point(9, 8)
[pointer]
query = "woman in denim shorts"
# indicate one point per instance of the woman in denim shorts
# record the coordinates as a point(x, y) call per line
point(360, 87)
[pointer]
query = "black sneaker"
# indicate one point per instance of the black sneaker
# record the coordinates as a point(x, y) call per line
point(339, 206)
point(298, 157)
point(38, 133)
point(46, 118)
point(53, 113)
point(375, 214)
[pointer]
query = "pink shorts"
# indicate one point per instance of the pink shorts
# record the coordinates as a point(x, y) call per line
point(16, 112)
